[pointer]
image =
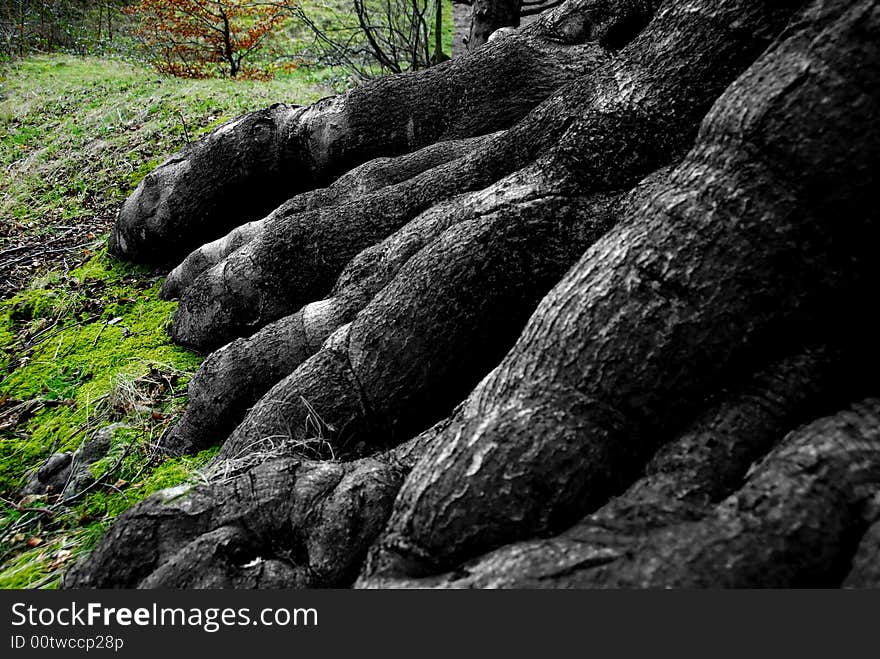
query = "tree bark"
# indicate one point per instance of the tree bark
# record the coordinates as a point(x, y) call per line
point(708, 252)
point(865, 570)
point(793, 523)
point(663, 308)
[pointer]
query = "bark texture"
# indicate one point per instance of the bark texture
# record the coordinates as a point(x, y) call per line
point(865, 571)
point(794, 522)
point(629, 293)
point(687, 289)
point(535, 221)
point(369, 177)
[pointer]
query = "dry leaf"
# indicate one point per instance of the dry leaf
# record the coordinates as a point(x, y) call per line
point(30, 499)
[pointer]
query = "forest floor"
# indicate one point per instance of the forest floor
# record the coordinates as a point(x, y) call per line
point(83, 345)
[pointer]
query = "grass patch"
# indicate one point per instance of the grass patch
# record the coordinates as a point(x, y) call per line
point(77, 133)
point(83, 341)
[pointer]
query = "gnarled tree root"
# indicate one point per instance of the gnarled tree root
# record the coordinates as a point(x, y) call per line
point(420, 274)
point(693, 281)
point(667, 306)
point(795, 522)
point(262, 522)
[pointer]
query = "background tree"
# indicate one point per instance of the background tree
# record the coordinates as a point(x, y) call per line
point(45, 25)
point(490, 15)
point(476, 20)
point(195, 38)
point(378, 36)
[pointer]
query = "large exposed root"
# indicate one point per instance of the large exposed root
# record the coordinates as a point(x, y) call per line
point(249, 166)
point(666, 307)
point(794, 522)
point(262, 522)
point(422, 343)
point(369, 177)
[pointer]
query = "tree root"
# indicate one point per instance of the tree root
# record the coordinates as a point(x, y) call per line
point(794, 522)
point(675, 300)
point(607, 437)
point(262, 522)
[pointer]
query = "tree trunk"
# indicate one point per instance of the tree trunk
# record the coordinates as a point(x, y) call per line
point(686, 290)
point(623, 311)
point(438, 54)
point(488, 16)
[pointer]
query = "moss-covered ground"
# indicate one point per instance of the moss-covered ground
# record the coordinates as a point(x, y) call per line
point(83, 341)
point(83, 350)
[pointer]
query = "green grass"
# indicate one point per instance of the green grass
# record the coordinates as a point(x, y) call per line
point(85, 345)
point(77, 133)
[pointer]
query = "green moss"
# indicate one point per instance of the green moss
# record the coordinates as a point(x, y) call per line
point(103, 504)
point(84, 350)
point(33, 304)
point(34, 567)
point(121, 440)
point(43, 565)
point(82, 361)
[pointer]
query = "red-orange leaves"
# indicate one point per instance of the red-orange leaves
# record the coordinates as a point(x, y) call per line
point(204, 38)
